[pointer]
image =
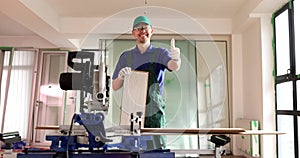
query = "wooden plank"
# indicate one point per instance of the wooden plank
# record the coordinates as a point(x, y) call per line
point(261, 132)
point(134, 96)
point(193, 130)
point(197, 131)
point(47, 127)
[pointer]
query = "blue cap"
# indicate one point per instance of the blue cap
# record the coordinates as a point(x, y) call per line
point(142, 19)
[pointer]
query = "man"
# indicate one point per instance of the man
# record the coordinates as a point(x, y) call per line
point(145, 57)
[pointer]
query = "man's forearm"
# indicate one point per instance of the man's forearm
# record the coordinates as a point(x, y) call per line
point(117, 83)
point(174, 65)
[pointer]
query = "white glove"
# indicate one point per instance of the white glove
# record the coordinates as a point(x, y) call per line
point(175, 52)
point(124, 72)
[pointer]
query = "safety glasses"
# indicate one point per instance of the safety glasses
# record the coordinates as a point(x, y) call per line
point(142, 27)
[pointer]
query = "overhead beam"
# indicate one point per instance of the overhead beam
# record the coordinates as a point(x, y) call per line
point(17, 11)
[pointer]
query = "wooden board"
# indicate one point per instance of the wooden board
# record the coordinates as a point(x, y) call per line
point(261, 132)
point(134, 96)
point(193, 130)
point(197, 131)
point(47, 127)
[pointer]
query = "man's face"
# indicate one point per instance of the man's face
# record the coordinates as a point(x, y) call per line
point(142, 32)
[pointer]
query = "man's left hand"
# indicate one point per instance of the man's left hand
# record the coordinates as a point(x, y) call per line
point(174, 51)
point(175, 54)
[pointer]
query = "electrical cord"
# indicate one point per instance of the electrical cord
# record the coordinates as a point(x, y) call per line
point(69, 136)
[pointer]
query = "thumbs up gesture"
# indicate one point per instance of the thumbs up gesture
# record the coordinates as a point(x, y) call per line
point(174, 51)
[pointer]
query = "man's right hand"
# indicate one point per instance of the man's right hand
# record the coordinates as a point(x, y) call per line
point(124, 72)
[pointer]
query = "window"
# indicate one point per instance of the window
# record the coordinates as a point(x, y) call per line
point(16, 89)
point(287, 85)
point(189, 92)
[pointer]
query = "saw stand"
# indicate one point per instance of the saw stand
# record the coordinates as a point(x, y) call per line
point(134, 120)
point(219, 141)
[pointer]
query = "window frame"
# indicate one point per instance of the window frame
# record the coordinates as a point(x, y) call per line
point(291, 76)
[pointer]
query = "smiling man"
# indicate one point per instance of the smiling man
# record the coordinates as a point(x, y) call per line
point(145, 57)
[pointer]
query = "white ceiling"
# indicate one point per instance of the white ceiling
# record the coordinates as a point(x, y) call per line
point(62, 21)
point(98, 8)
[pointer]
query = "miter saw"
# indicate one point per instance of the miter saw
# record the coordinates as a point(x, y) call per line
point(91, 80)
point(87, 136)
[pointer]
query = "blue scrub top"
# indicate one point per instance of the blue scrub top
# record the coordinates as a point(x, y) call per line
point(138, 61)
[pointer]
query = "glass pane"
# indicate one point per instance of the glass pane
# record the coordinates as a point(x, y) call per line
point(180, 91)
point(298, 94)
point(286, 141)
point(20, 87)
point(282, 43)
point(297, 34)
point(284, 96)
point(298, 132)
point(211, 71)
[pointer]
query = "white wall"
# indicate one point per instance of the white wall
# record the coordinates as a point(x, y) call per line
point(253, 65)
point(252, 77)
point(268, 95)
point(237, 82)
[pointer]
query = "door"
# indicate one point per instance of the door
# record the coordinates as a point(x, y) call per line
point(53, 106)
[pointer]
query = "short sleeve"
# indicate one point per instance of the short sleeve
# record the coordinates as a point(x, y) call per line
point(121, 64)
point(164, 57)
